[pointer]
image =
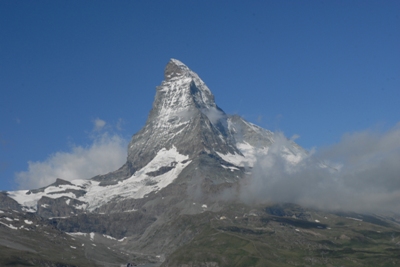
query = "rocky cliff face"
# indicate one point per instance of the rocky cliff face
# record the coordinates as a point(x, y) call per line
point(184, 115)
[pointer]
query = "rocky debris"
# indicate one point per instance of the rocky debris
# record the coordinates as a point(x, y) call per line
point(59, 207)
point(116, 225)
point(162, 170)
point(57, 183)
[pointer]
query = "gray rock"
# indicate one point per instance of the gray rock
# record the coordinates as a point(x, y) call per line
point(8, 203)
point(184, 115)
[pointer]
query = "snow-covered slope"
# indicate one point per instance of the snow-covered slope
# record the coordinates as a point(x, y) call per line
point(254, 142)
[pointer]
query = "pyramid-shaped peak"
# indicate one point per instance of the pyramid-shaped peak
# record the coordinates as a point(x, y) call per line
point(179, 78)
point(175, 68)
point(177, 62)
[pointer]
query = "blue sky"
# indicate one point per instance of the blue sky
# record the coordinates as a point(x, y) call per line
point(78, 77)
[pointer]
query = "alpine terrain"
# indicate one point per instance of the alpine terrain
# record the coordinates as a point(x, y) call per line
point(176, 202)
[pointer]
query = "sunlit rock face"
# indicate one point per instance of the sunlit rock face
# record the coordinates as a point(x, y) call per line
point(185, 115)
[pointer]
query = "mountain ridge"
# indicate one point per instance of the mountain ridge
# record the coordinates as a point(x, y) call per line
point(184, 127)
point(179, 193)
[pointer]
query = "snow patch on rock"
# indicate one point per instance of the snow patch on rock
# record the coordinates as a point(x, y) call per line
point(137, 186)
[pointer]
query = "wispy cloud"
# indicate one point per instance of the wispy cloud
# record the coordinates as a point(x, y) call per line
point(105, 154)
point(364, 175)
point(214, 114)
point(99, 124)
point(120, 124)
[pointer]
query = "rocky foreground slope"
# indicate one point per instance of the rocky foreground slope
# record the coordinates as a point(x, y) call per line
point(174, 201)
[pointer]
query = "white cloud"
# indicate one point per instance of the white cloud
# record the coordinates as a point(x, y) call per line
point(214, 114)
point(106, 153)
point(295, 137)
point(368, 179)
point(98, 124)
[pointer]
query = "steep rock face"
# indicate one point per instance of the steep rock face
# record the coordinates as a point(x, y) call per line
point(184, 115)
point(246, 132)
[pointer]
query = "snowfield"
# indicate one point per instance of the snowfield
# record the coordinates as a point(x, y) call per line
point(137, 186)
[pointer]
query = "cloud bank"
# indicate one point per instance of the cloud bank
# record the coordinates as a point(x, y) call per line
point(106, 153)
point(360, 173)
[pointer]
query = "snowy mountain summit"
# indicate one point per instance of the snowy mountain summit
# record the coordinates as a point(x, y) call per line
point(189, 195)
point(187, 166)
point(187, 142)
point(184, 115)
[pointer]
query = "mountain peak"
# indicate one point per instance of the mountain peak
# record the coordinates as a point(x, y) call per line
point(186, 120)
point(184, 116)
point(183, 88)
point(177, 62)
point(175, 68)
